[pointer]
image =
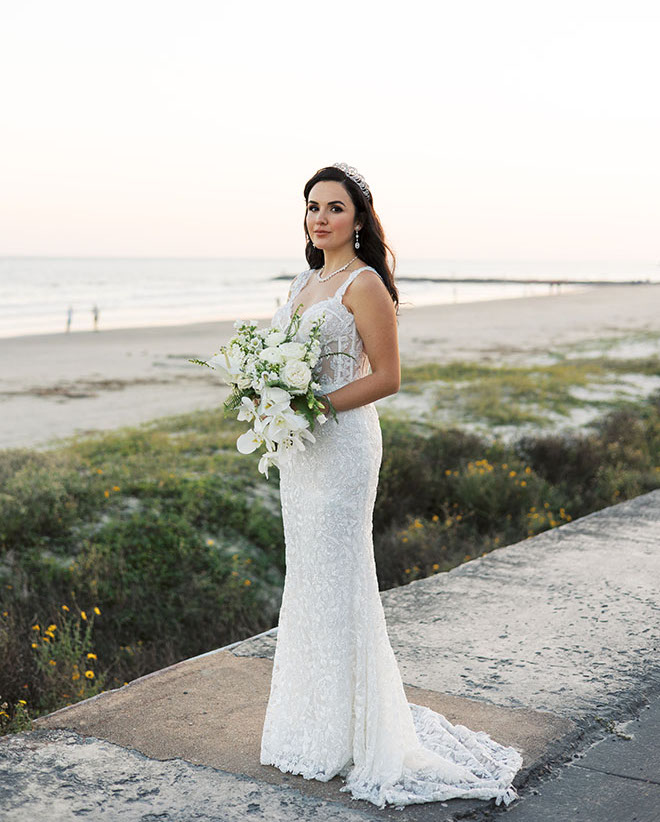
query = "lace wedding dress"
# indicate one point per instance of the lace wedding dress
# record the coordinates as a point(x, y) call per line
point(337, 703)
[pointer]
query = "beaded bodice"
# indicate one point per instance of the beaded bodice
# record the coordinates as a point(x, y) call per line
point(343, 358)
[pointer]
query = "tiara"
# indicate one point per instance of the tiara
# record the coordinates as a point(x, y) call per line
point(354, 174)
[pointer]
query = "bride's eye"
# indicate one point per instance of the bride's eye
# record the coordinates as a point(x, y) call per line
point(311, 207)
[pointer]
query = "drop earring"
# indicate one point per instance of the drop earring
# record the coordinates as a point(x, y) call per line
point(357, 239)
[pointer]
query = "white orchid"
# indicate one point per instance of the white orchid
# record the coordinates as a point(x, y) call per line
point(268, 458)
point(274, 400)
point(247, 411)
point(249, 441)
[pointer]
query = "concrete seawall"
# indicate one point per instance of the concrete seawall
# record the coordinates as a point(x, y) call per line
point(540, 643)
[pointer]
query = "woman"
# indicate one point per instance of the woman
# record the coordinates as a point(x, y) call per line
point(337, 703)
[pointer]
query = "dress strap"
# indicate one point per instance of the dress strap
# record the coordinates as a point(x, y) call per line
point(298, 282)
point(342, 288)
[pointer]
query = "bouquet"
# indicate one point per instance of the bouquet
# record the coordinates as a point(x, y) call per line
point(273, 387)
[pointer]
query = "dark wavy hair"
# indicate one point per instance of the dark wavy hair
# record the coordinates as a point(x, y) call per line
point(374, 250)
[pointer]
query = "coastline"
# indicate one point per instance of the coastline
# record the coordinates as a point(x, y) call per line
point(58, 385)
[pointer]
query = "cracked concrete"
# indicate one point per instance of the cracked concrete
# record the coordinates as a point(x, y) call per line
point(538, 643)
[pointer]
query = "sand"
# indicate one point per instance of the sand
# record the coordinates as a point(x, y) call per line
point(57, 385)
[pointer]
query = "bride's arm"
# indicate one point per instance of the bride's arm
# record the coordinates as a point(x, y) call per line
point(375, 319)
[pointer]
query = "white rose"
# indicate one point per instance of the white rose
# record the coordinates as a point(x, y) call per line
point(292, 350)
point(297, 375)
point(275, 337)
point(271, 355)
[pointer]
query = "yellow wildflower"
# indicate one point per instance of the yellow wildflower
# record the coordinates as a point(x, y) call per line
point(405, 539)
point(435, 517)
point(97, 610)
point(247, 582)
point(36, 628)
point(512, 473)
point(435, 566)
point(75, 676)
point(51, 628)
point(528, 470)
point(92, 656)
point(65, 607)
point(448, 472)
point(46, 638)
point(89, 674)
point(407, 571)
point(22, 702)
point(83, 615)
point(99, 470)
point(210, 542)
point(523, 482)
point(115, 488)
point(106, 493)
point(52, 662)
point(5, 613)
point(34, 645)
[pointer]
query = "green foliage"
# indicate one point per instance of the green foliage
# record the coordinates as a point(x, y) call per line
point(178, 542)
point(512, 395)
point(446, 496)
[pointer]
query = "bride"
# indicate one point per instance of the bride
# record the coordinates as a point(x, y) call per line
point(337, 703)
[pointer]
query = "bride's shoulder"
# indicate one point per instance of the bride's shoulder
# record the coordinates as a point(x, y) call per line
point(366, 288)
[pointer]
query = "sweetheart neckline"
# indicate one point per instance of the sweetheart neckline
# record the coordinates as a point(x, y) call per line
point(331, 297)
point(320, 302)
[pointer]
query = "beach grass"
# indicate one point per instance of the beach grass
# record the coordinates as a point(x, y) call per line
point(537, 393)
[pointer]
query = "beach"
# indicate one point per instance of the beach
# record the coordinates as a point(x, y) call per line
point(53, 386)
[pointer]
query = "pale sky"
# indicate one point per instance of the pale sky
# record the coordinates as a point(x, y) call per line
point(514, 129)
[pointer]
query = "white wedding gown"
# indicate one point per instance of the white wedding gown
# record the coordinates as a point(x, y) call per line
point(337, 703)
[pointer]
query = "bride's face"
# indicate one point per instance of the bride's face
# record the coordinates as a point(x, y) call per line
point(330, 216)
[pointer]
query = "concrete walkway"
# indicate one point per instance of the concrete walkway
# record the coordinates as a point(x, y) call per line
point(546, 645)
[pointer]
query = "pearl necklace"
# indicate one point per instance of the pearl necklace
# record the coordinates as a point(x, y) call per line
point(328, 276)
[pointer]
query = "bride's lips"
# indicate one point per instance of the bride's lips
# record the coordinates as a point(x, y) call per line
point(321, 233)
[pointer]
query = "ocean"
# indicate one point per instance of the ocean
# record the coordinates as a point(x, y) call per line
point(37, 292)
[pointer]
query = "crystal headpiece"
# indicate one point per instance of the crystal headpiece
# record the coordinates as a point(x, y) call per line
point(354, 174)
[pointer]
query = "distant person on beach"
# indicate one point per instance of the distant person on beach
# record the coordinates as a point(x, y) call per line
point(69, 315)
point(95, 312)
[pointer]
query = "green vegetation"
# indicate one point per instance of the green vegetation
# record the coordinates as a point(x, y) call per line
point(125, 552)
point(511, 395)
